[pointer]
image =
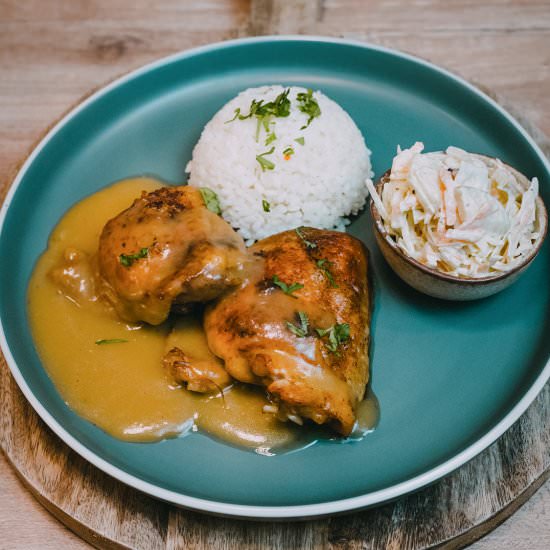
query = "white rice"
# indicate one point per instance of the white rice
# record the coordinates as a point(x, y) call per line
point(321, 183)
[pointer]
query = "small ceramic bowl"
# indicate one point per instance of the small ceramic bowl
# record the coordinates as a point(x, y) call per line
point(442, 285)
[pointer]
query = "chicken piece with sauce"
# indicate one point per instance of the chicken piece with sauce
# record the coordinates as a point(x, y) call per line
point(167, 251)
point(300, 326)
point(190, 362)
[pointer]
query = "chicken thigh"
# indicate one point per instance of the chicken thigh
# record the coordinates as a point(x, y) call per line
point(166, 251)
point(299, 325)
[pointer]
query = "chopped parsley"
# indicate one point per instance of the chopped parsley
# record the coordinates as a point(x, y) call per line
point(337, 335)
point(237, 115)
point(264, 112)
point(111, 341)
point(308, 105)
point(300, 140)
point(128, 259)
point(266, 206)
point(308, 244)
point(301, 329)
point(211, 200)
point(264, 163)
point(270, 138)
point(287, 289)
point(324, 265)
point(288, 152)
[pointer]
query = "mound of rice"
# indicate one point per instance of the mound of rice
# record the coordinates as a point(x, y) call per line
point(314, 175)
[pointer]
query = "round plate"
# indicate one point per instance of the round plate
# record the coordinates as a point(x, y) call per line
point(450, 377)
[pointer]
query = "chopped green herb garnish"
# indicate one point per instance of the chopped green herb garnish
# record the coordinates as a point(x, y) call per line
point(288, 152)
point(264, 163)
point(270, 138)
point(300, 140)
point(211, 200)
point(111, 341)
point(237, 114)
point(265, 123)
point(128, 259)
point(324, 265)
point(308, 105)
point(337, 334)
point(299, 330)
point(266, 206)
point(308, 244)
point(287, 289)
point(279, 107)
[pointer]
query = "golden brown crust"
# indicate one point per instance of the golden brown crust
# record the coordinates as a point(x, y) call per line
point(249, 328)
point(291, 259)
point(167, 248)
point(198, 375)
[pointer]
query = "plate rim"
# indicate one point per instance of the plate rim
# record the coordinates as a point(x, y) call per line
point(243, 511)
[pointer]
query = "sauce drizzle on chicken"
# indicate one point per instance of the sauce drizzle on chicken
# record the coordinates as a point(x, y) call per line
point(134, 390)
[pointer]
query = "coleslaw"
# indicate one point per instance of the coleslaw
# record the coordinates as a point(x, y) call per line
point(460, 213)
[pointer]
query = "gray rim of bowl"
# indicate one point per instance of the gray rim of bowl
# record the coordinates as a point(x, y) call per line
point(242, 510)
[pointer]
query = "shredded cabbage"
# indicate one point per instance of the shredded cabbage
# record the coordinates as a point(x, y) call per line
point(456, 212)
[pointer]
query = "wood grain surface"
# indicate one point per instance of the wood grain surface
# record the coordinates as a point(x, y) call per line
point(51, 53)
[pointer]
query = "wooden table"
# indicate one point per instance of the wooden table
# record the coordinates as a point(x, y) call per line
point(51, 53)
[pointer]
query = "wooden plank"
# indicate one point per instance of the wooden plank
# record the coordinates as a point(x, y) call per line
point(41, 530)
point(53, 52)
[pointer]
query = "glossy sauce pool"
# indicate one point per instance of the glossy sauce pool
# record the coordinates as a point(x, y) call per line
point(123, 387)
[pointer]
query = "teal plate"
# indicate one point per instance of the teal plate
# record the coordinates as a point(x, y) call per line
point(450, 377)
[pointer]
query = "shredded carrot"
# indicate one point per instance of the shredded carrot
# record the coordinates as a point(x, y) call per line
point(443, 219)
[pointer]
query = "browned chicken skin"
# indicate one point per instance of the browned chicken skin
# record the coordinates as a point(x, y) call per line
point(296, 343)
point(198, 375)
point(295, 319)
point(167, 251)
